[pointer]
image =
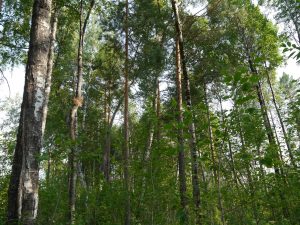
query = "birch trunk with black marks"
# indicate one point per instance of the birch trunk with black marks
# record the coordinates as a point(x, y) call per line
point(77, 102)
point(23, 187)
point(188, 99)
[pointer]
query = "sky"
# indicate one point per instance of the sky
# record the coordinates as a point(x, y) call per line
point(15, 78)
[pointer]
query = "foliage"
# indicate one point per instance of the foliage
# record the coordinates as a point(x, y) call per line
point(231, 51)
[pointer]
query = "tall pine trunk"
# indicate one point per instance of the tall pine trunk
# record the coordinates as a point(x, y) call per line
point(188, 99)
point(23, 187)
point(181, 154)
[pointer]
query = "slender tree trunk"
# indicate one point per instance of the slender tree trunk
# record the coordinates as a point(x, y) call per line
point(264, 112)
point(271, 137)
point(276, 135)
point(232, 163)
point(249, 176)
point(126, 126)
point(77, 102)
point(23, 187)
point(213, 156)
point(188, 99)
point(219, 189)
point(252, 193)
point(158, 112)
point(212, 148)
point(148, 157)
point(298, 129)
point(181, 154)
point(151, 134)
point(107, 144)
point(49, 76)
point(286, 139)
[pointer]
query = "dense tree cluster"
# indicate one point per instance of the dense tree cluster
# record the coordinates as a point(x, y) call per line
point(160, 112)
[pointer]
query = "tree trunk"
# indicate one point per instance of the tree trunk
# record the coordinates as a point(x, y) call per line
point(271, 137)
point(158, 112)
point(264, 113)
point(23, 187)
point(249, 175)
point(252, 194)
point(49, 76)
point(286, 139)
point(188, 99)
point(232, 164)
point(107, 142)
point(211, 142)
point(126, 126)
point(181, 155)
point(77, 102)
point(276, 135)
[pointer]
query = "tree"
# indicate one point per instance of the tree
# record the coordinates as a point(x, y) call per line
point(192, 139)
point(77, 102)
point(23, 188)
point(151, 105)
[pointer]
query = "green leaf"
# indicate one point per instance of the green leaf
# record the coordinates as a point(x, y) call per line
point(290, 55)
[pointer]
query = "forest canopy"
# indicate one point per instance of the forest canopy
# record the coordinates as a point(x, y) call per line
point(158, 112)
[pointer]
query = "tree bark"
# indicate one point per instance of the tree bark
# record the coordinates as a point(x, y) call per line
point(150, 139)
point(126, 118)
point(270, 135)
point(286, 139)
point(50, 63)
point(158, 112)
point(77, 102)
point(23, 187)
point(181, 155)
point(211, 142)
point(264, 111)
point(188, 99)
point(276, 135)
point(107, 142)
